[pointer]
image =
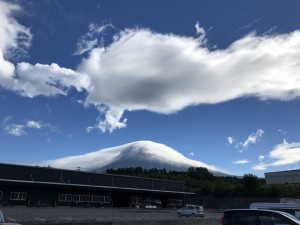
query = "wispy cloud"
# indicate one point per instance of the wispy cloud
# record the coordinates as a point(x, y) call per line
point(22, 129)
point(261, 158)
point(128, 74)
point(230, 140)
point(253, 138)
point(282, 131)
point(13, 36)
point(244, 161)
point(34, 124)
point(283, 154)
point(6, 119)
point(109, 120)
point(249, 25)
point(191, 154)
point(15, 130)
point(41, 125)
point(91, 39)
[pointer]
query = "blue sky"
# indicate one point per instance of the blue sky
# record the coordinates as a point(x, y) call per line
point(218, 81)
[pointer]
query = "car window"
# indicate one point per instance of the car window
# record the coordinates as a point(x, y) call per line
point(274, 220)
point(242, 219)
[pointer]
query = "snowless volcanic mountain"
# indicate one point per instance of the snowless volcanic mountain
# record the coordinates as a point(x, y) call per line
point(146, 154)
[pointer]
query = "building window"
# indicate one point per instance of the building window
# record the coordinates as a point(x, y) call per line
point(89, 198)
point(65, 198)
point(95, 198)
point(21, 196)
point(68, 198)
point(175, 203)
point(82, 198)
point(104, 199)
point(136, 200)
point(79, 198)
point(76, 198)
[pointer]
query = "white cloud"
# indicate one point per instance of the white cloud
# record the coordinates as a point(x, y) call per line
point(7, 69)
point(22, 129)
point(48, 80)
point(89, 129)
point(241, 161)
point(249, 24)
point(15, 130)
point(6, 119)
point(253, 138)
point(230, 140)
point(200, 30)
point(25, 79)
point(34, 124)
point(281, 131)
point(13, 36)
point(110, 120)
point(127, 78)
point(283, 154)
point(91, 39)
point(41, 125)
point(261, 158)
point(191, 154)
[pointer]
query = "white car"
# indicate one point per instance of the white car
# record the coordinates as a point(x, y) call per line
point(191, 210)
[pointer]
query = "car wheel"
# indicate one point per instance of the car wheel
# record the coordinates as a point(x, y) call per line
point(179, 214)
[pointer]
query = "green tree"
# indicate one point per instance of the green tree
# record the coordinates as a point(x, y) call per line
point(251, 184)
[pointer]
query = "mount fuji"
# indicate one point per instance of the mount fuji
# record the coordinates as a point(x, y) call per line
point(146, 154)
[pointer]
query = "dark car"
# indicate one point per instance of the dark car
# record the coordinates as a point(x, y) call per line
point(257, 217)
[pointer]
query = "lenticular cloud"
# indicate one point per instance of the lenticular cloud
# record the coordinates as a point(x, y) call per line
point(164, 73)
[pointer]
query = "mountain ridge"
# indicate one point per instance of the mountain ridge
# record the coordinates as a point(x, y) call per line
point(146, 154)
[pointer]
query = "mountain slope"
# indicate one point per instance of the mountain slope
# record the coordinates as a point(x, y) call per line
point(146, 154)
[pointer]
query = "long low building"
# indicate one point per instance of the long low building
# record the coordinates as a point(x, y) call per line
point(45, 186)
point(283, 177)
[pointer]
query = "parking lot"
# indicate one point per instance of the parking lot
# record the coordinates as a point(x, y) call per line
point(79, 215)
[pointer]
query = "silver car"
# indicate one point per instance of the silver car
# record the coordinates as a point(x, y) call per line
point(191, 210)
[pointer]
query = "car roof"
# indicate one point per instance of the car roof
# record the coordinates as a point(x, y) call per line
point(260, 210)
point(265, 210)
point(192, 205)
point(254, 210)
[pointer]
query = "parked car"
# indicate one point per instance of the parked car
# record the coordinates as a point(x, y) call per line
point(291, 208)
point(257, 217)
point(2, 220)
point(191, 210)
